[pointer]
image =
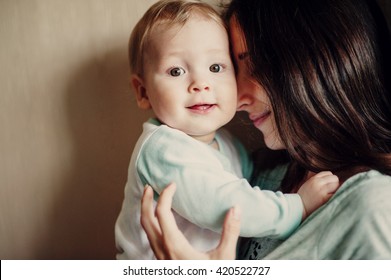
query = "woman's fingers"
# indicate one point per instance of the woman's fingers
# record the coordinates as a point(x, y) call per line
point(231, 230)
point(175, 243)
point(163, 208)
point(168, 242)
point(151, 225)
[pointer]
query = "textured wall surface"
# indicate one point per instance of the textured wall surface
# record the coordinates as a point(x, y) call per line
point(68, 125)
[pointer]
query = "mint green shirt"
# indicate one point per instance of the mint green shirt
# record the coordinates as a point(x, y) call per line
point(354, 224)
point(207, 187)
point(209, 182)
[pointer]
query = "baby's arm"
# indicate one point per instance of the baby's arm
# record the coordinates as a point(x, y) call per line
point(317, 190)
point(206, 190)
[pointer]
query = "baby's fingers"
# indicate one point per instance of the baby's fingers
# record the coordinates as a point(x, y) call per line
point(326, 183)
point(330, 183)
point(323, 174)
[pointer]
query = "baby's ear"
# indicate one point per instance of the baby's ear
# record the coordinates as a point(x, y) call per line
point(140, 91)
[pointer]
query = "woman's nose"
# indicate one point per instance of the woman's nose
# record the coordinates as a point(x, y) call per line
point(244, 94)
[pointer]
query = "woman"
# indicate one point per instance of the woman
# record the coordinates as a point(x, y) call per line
point(311, 75)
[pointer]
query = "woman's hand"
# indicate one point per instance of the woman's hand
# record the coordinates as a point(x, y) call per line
point(168, 242)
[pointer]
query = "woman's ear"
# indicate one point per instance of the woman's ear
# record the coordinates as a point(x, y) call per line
point(140, 91)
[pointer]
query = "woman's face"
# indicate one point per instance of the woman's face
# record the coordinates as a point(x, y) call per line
point(252, 97)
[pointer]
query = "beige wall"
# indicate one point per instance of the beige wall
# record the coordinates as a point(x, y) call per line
point(68, 125)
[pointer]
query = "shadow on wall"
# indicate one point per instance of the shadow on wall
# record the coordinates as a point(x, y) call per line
point(104, 123)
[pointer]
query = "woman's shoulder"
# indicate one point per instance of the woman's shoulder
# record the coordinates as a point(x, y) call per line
point(359, 219)
point(354, 224)
point(367, 191)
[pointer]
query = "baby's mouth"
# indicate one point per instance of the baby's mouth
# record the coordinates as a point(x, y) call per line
point(202, 108)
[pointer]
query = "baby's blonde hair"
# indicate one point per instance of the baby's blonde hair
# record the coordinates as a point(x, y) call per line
point(170, 13)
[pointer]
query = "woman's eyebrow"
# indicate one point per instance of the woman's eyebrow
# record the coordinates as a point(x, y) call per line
point(243, 55)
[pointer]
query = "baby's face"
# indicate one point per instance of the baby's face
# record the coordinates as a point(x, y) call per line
point(189, 77)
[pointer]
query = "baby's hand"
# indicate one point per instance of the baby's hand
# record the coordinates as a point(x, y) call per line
point(317, 190)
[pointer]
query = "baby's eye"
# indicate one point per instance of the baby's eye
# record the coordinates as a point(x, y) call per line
point(177, 71)
point(215, 68)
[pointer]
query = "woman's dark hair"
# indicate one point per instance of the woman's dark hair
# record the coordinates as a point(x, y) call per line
point(323, 64)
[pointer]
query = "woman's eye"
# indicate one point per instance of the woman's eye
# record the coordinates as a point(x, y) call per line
point(177, 71)
point(215, 68)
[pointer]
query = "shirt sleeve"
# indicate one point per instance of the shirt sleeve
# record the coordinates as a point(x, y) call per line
point(206, 191)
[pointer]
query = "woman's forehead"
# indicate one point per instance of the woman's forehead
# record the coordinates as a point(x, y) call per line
point(237, 38)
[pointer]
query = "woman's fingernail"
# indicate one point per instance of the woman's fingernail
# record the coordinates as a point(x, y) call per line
point(236, 212)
